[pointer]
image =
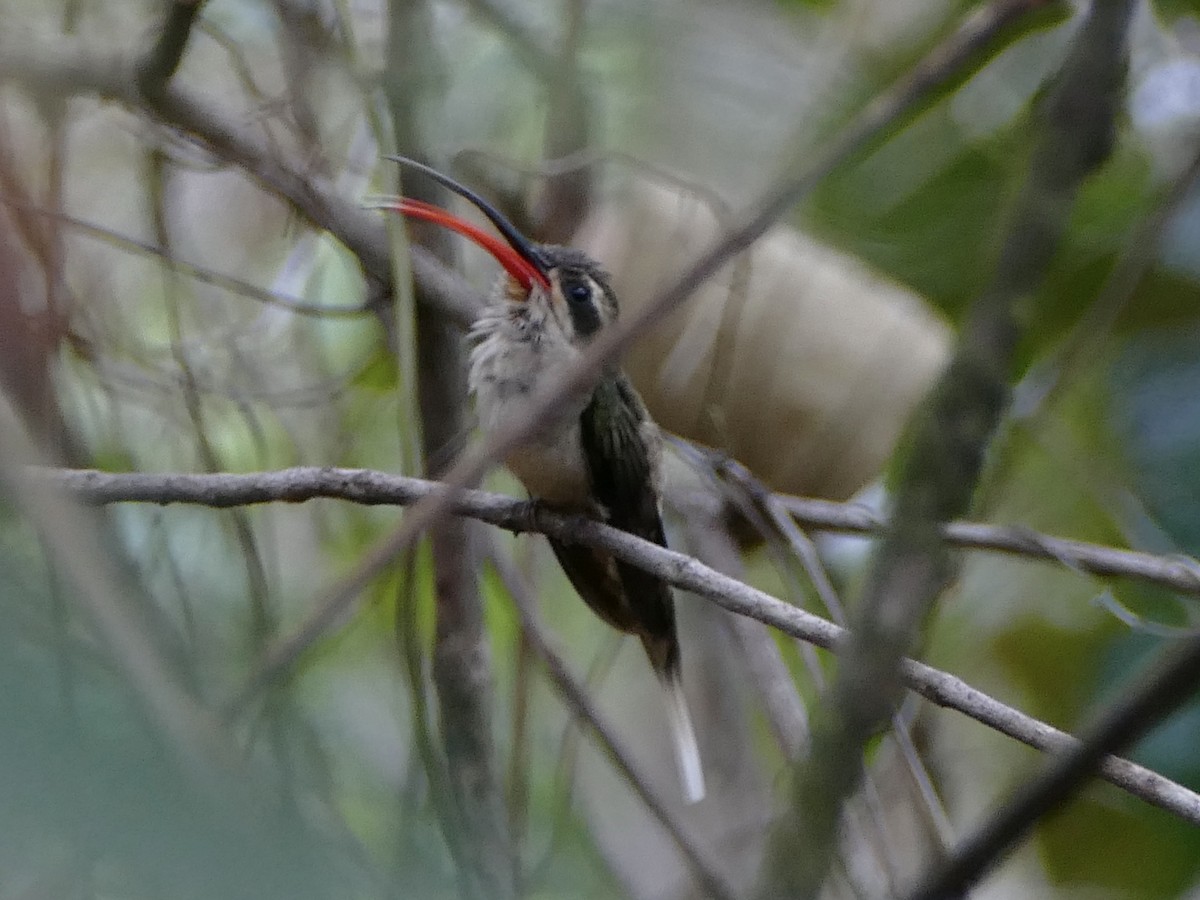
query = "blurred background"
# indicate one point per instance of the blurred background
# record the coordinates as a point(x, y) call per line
point(173, 301)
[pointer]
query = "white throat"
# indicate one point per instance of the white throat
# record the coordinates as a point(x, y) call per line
point(522, 348)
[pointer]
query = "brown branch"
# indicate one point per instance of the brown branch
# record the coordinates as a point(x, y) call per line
point(376, 488)
point(462, 669)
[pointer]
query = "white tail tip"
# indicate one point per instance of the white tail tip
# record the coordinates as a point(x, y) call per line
point(683, 736)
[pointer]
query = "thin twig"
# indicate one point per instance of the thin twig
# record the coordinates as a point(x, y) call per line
point(529, 50)
point(802, 548)
point(377, 488)
point(68, 68)
point(865, 822)
point(199, 273)
point(576, 698)
point(1177, 573)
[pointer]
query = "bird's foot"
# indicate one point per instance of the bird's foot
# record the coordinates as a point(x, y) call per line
point(526, 516)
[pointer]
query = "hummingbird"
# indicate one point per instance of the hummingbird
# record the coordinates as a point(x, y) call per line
point(603, 458)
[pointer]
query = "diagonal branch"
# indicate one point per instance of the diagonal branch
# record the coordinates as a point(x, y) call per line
point(1170, 683)
point(67, 68)
point(201, 274)
point(575, 697)
point(376, 488)
point(944, 451)
point(162, 60)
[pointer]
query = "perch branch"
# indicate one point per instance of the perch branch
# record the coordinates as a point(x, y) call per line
point(364, 486)
point(375, 488)
point(66, 68)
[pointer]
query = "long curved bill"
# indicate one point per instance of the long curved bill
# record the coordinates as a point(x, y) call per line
point(519, 257)
point(524, 272)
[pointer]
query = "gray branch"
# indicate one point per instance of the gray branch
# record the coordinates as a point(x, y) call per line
point(462, 667)
point(67, 68)
point(371, 488)
point(376, 488)
point(1169, 684)
point(1177, 573)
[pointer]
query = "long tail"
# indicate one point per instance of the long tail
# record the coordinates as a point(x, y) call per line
point(683, 736)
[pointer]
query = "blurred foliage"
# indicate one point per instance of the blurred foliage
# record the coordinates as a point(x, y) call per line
point(1131, 852)
point(1171, 10)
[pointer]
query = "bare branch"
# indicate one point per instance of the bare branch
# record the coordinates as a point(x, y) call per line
point(199, 273)
point(576, 698)
point(1178, 573)
point(68, 68)
point(302, 483)
point(155, 69)
point(1170, 683)
point(377, 488)
point(944, 452)
point(435, 354)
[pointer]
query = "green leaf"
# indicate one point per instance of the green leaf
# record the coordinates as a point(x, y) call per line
point(1111, 841)
point(380, 374)
point(1170, 10)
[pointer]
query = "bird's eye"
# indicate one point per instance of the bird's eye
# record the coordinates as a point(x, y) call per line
point(579, 292)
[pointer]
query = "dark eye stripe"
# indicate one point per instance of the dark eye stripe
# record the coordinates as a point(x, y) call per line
point(582, 306)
